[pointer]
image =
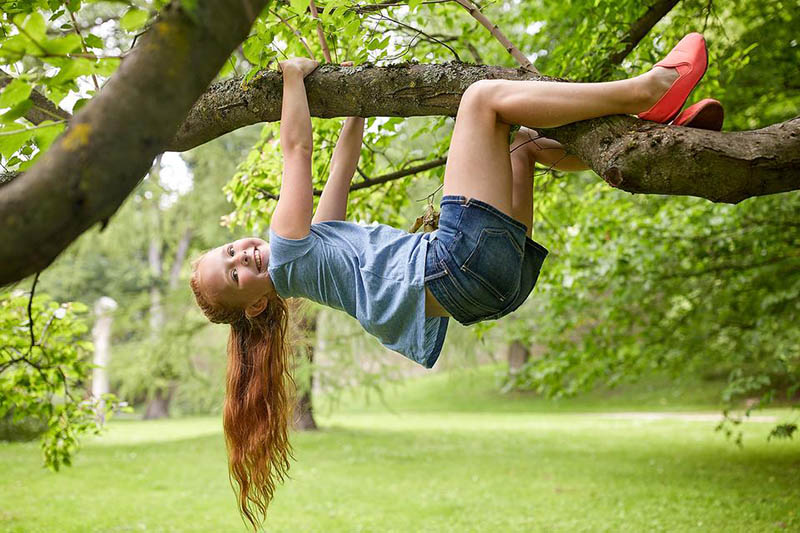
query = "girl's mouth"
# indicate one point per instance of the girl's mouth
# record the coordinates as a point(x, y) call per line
point(257, 257)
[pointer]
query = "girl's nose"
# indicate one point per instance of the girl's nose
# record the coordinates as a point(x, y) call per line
point(244, 258)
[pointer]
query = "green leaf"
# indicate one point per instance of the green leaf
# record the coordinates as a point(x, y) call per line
point(299, 6)
point(79, 104)
point(250, 73)
point(93, 41)
point(17, 111)
point(45, 136)
point(252, 50)
point(12, 137)
point(134, 19)
point(14, 93)
point(62, 45)
point(106, 66)
point(77, 67)
point(34, 25)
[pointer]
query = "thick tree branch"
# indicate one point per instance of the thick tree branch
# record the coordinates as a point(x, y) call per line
point(645, 157)
point(403, 90)
point(635, 155)
point(112, 141)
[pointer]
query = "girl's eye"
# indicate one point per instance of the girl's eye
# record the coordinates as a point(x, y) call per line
point(235, 275)
point(230, 250)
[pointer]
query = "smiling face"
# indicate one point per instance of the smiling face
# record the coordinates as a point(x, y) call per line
point(235, 274)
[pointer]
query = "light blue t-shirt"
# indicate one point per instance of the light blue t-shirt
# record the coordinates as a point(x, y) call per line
point(374, 273)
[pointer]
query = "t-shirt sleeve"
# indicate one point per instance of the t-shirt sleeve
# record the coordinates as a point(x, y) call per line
point(282, 251)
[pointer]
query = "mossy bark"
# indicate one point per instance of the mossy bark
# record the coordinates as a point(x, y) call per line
point(112, 141)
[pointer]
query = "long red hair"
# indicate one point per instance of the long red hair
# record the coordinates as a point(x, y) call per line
point(259, 400)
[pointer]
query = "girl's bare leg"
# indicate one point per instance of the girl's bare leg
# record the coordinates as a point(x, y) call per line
point(478, 164)
point(529, 148)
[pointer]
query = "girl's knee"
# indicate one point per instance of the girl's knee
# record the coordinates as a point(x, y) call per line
point(480, 93)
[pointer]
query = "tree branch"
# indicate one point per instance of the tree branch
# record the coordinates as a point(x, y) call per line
point(638, 30)
point(494, 29)
point(634, 155)
point(90, 169)
point(371, 182)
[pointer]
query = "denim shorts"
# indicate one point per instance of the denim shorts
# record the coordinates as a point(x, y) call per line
point(480, 264)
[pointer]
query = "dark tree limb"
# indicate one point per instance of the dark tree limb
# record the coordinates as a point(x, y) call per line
point(112, 141)
point(638, 30)
point(403, 90)
point(368, 182)
point(634, 155)
point(649, 158)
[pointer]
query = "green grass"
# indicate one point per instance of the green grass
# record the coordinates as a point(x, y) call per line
point(445, 462)
point(476, 390)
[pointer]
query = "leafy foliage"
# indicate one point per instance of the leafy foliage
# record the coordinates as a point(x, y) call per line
point(43, 369)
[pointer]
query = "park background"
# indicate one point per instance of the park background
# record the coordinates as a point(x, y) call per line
point(650, 383)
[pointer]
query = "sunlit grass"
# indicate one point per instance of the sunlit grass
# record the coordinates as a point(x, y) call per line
point(518, 469)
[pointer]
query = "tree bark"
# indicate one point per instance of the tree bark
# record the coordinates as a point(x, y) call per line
point(87, 173)
point(304, 409)
point(158, 406)
point(97, 162)
point(637, 31)
point(518, 354)
point(634, 155)
point(180, 257)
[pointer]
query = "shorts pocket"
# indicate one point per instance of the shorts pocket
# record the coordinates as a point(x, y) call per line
point(495, 262)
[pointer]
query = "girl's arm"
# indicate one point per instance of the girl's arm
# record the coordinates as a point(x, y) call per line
point(333, 202)
point(292, 216)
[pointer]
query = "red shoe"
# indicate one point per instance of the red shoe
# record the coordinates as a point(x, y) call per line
point(706, 114)
point(690, 58)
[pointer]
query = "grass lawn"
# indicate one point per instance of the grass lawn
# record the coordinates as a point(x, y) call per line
point(443, 461)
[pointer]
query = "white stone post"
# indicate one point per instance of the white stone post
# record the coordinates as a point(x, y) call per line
point(101, 336)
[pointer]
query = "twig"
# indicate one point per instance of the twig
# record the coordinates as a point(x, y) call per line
point(296, 32)
point(30, 311)
point(41, 126)
point(363, 9)
point(83, 45)
point(638, 30)
point(371, 182)
point(420, 32)
point(498, 34)
point(320, 32)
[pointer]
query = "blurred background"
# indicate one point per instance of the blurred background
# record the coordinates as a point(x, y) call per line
point(650, 382)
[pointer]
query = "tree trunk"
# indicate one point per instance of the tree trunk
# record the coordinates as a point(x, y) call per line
point(111, 142)
point(180, 257)
point(303, 409)
point(158, 407)
point(518, 355)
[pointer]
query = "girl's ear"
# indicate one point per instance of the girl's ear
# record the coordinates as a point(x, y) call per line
point(257, 307)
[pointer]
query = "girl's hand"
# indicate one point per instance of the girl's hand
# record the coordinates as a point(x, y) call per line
point(302, 65)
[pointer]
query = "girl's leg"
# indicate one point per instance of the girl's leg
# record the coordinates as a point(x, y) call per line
point(529, 148)
point(478, 164)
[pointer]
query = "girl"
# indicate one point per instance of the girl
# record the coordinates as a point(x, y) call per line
point(479, 265)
